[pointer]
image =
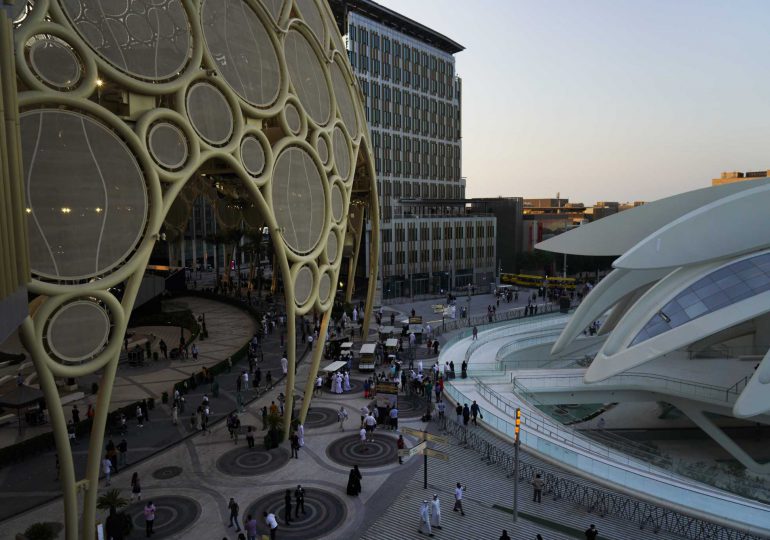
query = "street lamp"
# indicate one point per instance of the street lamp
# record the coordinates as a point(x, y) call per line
point(516, 465)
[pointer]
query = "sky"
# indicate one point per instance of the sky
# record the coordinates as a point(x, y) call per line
point(606, 100)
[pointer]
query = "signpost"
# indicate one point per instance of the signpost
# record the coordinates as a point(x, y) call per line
point(423, 449)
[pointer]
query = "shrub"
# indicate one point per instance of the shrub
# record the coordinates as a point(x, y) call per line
point(40, 531)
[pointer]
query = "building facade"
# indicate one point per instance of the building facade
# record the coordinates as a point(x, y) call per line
point(413, 99)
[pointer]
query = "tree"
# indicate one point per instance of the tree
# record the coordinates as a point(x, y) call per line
point(111, 499)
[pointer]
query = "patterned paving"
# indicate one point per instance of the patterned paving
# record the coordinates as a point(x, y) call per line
point(318, 417)
point(173, 514)
point(245, 461)
point(325, 512)
point(164, 473)
point(348, 451)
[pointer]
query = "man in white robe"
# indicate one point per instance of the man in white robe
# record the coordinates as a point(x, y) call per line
point(301, 435)
point(425, 519)
point(347, 382)
point(435, 512)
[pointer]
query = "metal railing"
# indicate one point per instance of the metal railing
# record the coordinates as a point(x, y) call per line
point(592, 498)
point(658, 382)
point(576, 452)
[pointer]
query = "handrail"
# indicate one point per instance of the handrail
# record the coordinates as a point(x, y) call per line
point(593, 498)
point(545, 423)
point(717, 393)
point(630, 474)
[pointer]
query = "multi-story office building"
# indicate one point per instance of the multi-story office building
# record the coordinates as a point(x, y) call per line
point(406, 73)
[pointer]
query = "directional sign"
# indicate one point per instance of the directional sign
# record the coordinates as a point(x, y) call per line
point(417, 449)
point(423, 436)
point(430, 452)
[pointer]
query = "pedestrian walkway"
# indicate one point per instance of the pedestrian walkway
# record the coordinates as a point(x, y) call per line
point(192, 482)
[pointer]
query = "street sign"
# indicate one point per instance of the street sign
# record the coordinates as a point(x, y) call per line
point(430, 452)
point(423, 436)
point(417, 449)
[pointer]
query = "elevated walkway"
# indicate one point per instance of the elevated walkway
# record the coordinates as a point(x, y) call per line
point(493, 389)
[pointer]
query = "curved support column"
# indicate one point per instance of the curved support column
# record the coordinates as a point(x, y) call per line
point(291, 350)
point(315, 365)
point(374, 260)
point(59, 425)
point(102, 407)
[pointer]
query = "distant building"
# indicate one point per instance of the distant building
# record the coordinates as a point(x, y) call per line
point(412, 97)
point(509, 212)
point(732, 177)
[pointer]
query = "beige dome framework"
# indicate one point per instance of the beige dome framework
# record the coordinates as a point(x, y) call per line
point(127, 109)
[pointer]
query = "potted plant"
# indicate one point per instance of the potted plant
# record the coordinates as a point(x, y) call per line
point(274, 431)
point(113, 501)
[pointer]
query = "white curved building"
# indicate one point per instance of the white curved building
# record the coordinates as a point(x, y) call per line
point(687, 301)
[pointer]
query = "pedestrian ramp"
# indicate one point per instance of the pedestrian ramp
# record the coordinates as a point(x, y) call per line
point(488, 503)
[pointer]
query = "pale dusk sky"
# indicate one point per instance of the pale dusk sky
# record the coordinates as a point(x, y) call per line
point(613, 100)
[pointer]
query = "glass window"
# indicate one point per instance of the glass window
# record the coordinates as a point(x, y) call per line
point(721, 288)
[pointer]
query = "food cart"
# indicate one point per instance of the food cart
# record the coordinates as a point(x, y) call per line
point(391, 346)
point(367, 357)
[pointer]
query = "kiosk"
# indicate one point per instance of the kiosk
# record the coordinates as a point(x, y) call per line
point(367, 357)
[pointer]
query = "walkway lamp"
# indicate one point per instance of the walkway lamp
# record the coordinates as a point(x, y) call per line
point(516, 428)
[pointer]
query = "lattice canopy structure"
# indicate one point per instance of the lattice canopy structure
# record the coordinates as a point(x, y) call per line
point(124, 103)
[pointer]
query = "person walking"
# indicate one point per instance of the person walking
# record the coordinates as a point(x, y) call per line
point(301, 434)
point(287, 507)
point(342, 415)
point(75, 414)
point(264, 418)
point(233, 507)
point(475, 333)
point(136, 487)
point(466, 414)
point(354, 481)
point(139, 416)
point(251, 527)
point(175, 414)
point(362, 436)
point(476, 412)
point(122, 452)
point(537, 487)
point(294, 445)
point(149, 518)
point(425, 519)
point(299, 500)
point(459, 413)
point(107, 468)
point(370, 423)
point(284, 365)
point(394, 418)
point(401, 446)
point(459, 492)
point(592, 532)
point(505, 536)
point(250, 436)
point(271, 523)
point(435, 512)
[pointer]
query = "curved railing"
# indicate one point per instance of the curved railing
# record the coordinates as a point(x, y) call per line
point(628, 380)
point(551, 440)
point(589, 496)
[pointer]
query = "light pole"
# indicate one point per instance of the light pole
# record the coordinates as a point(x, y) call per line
point(516, 466)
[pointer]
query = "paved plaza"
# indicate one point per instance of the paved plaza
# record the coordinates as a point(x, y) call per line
point(191, 476)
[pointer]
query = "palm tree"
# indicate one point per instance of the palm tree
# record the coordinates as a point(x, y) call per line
point(111, 499)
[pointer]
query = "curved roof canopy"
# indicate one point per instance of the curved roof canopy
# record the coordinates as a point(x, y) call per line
point(616, 234)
